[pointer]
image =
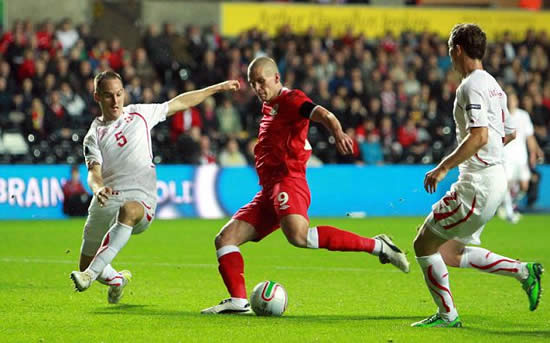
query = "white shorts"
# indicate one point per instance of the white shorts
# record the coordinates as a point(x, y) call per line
point(100, 219)
point(465, 209)
point(517, 171)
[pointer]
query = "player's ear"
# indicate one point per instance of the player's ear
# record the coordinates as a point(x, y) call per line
point(459, 50)
point(96, 96)
point(277, 78)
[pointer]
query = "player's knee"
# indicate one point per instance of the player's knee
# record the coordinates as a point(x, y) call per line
point(219, 240)
point(296, 237)
point(130, 214)
point(223, 238)
point(419, 243)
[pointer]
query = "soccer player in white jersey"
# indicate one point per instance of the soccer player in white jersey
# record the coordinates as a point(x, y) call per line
point(122, 176)
point(520, 155)
point(480, 115)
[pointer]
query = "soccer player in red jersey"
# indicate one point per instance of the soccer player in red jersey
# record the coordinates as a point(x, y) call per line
point(281, 155)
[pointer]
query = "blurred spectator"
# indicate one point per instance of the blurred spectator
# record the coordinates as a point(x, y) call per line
point(116, 55)
point(27, 93)
point(57, 111)
point(407, 133)
point(144, 69)
point(209, 73)
point(72, 102)
point(26, 68)
point(67, 35)
point(371, 150)
point(209, 118)
point(45, 35)
point(38, 121)
point(86, 36)
point(229, 119)
point(230, 156)
point(183, 121)
point(207, 156)
point(158, 50)
point(76, 199)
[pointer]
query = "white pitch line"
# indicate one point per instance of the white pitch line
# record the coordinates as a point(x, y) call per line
point(188, 265)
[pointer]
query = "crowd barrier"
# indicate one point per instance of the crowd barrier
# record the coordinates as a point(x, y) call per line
point(35, 191)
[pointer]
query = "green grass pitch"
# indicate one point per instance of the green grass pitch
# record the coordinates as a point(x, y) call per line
point(333, 296)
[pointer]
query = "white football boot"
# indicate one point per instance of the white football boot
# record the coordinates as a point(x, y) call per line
point(392, 254)
point(227, 307)
point(82, 280)
point(115, 293)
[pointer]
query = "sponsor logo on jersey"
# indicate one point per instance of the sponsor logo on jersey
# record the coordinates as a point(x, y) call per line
point(270, 110)
point(494, 92)
point(274, 109)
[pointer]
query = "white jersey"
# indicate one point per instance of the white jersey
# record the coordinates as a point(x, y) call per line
point(123, 148)
point(480, 102)
point(516, 150)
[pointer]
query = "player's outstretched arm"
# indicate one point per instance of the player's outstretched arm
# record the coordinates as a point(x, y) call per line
point(475, 140)
point(344, 143)
point(193, 98)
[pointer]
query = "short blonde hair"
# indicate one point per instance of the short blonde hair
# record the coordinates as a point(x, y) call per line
point(105, 75)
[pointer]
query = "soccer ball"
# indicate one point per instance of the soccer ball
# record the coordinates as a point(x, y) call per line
point(268, 298)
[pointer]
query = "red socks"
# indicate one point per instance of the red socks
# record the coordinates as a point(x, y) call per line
point(332, 238)
point(231, 267)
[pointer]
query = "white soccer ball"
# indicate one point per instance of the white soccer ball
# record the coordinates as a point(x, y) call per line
point(269, 298)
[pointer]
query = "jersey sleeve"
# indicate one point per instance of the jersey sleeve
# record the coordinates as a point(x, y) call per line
point(152, 113)
point(91, 148)
point(301, 104)
point(475, 108)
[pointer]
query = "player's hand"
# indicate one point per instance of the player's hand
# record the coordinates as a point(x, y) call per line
point(103, 195)
point(344, 144)
point(433, 177)
point(231, 85)
point(537, 157)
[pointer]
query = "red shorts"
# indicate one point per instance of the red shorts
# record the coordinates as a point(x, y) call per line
point(273, 202)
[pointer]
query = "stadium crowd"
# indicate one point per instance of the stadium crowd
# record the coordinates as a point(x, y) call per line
point(394, 94)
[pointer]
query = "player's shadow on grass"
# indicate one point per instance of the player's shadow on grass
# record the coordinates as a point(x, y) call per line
point(332, 317)
point(139, 310)
point(517, 333)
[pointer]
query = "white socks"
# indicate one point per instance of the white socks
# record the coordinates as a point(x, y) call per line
point(109, 276)
point(377, 248)
point(489, 262)
point(239, 301)
point(115, 239)
point(312, 238)
point(437, 280)
point(508, 205)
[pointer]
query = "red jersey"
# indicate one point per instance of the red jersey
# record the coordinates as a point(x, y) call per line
point(282, 149)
